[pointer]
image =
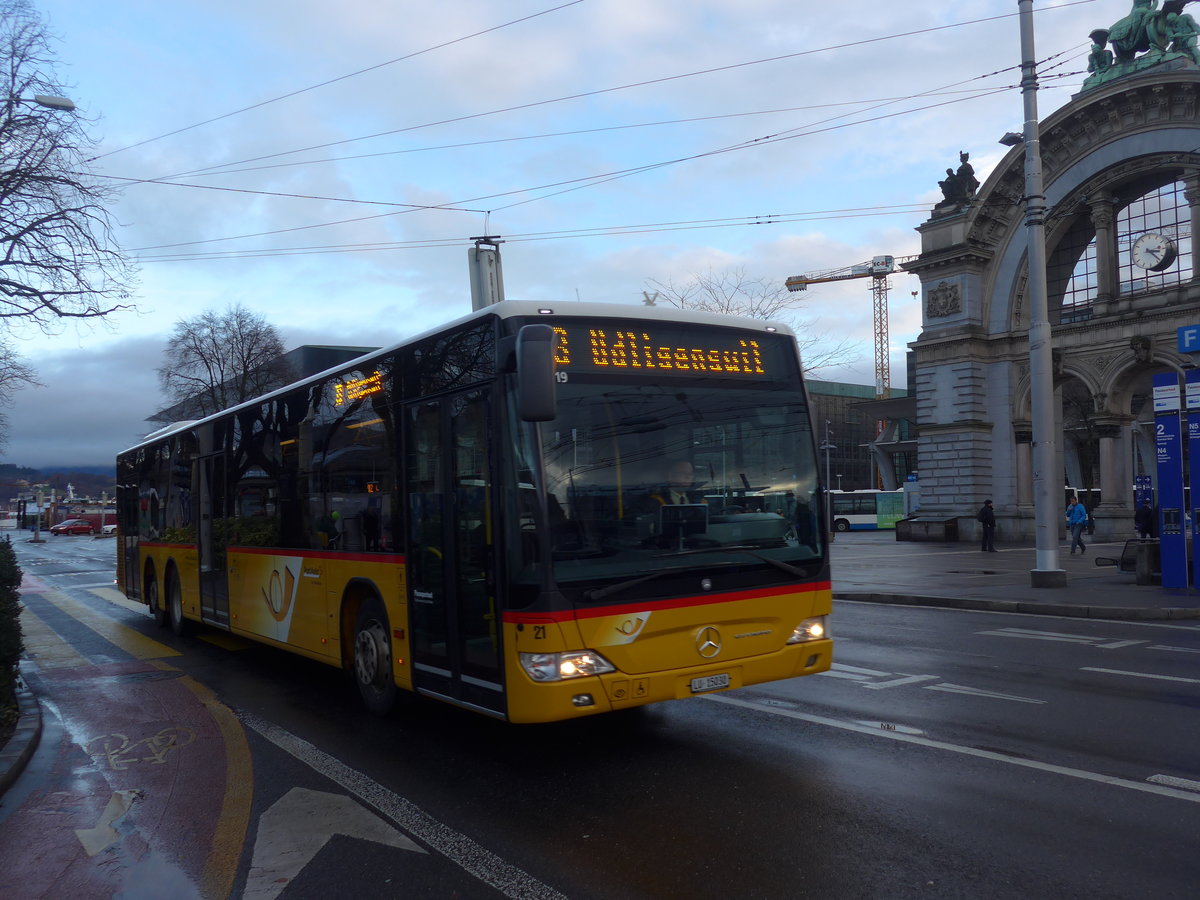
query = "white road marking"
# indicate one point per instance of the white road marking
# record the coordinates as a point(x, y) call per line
point(295, 829)
point(976, 692)
point(1173, 649)
point(458, 848)
point(840, 670)
point(103, 835)
point(897, 682)
point(1172, 781)
point(1030, 634)
point(1141, 675)
point(876, 731)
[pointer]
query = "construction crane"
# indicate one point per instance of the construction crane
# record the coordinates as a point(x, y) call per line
point(877, 269)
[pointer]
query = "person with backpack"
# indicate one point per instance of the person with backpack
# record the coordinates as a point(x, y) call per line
point(987, 517)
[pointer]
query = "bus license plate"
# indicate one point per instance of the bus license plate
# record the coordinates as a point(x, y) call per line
point(710, 683)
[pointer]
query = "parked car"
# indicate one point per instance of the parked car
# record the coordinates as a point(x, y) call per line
point(110, 528)
point(73, 526)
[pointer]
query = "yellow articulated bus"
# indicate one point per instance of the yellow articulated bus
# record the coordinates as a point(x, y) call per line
point(535, 513)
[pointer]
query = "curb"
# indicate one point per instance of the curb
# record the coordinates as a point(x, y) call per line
point(1119, 613)
point(16, 753)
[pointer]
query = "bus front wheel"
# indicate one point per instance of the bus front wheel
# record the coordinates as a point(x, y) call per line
point(154, 601)
point(841, 525)
point(373, 658)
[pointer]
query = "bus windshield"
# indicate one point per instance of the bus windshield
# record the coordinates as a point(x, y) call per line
point(646, 480)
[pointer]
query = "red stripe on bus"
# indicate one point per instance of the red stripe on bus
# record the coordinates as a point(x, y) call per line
point(520, 618)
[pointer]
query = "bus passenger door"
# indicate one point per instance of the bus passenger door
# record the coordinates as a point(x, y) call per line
point(454, 617)
point(211, 540)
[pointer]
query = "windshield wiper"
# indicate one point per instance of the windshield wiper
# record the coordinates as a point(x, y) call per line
point(777, 563)
point(601, 593)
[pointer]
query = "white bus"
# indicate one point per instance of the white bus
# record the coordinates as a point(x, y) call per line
point(867, 510)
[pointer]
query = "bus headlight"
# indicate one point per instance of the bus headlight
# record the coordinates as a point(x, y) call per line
point(563, 666)
point(809, 630)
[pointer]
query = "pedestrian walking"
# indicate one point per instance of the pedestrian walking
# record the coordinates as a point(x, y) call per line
point(1077, 519)
point(987, 517)
point(1143, 520)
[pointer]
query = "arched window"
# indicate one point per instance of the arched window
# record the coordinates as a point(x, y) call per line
point(1160, 216)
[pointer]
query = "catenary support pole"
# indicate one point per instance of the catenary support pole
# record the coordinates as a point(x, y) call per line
point(1046, 572)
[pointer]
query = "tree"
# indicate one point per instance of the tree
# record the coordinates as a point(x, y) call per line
point(734, 293)
point(58, 257)
point(216, 361)
point(15, 374)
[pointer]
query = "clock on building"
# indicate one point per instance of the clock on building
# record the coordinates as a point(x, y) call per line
point(1153, 251)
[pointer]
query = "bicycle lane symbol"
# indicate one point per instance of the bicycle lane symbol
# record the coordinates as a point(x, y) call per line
point(121, 753)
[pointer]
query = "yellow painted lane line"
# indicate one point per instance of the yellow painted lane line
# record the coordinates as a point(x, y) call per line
point(45, 647)
point(230, 834)
point(115, 597)
point(132, 642)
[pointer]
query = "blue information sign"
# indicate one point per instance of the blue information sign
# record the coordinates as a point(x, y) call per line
point(1189, 339)
point(1171, 513)
point(1191, 397)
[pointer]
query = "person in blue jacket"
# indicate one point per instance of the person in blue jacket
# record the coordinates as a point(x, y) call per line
point(1077, 518)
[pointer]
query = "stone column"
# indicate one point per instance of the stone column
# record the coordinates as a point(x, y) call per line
point(1114, 515)
point(1191, 191)
point(1101, 208)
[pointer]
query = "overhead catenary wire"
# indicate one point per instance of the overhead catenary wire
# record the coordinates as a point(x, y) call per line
point(623, 87)
point(330, 81)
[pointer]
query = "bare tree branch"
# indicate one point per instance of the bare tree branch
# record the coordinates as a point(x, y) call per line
point(15, 373)
point(733, 293)
point(58, 256)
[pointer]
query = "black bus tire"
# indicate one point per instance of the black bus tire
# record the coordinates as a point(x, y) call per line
point(841, 525)
point(155, 602)
point(373, 658)
point(174, 598)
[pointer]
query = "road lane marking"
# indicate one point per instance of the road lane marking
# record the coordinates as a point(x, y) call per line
point(132, 642)
point(458, 848)
point(220, 868)
point(45, 646)
point(977, 692)
point(1141, 675)
point(1030, 634)
point(1173, 649)
point(1082, 774)
point(298, 826)
point(897, 682)
point(862, 676)
point(116, 598)
point(1172, 781)
point(840, 670)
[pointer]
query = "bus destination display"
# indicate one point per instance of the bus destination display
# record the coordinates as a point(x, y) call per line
point(636, 347)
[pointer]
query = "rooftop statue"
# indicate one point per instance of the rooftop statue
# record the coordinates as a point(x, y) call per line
point(1160, 35)
point(958, 188)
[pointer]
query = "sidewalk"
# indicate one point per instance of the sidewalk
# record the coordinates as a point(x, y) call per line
point(875, 567)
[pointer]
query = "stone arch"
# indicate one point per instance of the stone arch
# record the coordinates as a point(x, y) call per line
point(1100, 153)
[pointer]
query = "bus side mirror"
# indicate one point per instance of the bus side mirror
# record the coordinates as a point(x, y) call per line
point(535, 373)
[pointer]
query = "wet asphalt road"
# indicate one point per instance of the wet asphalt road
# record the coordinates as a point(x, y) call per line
point(948, 754)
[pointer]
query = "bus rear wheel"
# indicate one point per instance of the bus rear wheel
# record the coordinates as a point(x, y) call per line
point(373, 658)
point(179, 624)
point(841, 525)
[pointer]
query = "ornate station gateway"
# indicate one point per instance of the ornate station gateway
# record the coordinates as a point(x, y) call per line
point(1121, 165)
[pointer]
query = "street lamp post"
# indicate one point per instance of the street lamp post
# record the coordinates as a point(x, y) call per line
point(827, 445)
point(1041, 372)
point(839, 478)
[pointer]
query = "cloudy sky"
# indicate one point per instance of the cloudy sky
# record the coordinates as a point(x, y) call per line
point(327, 164)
